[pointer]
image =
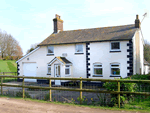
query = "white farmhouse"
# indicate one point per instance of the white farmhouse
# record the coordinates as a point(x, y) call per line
point(104, 52)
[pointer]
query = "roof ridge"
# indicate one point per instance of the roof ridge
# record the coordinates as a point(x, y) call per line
point(97, 28)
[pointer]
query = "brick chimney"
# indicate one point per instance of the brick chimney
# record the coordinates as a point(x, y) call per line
point(137, 22)
point(58, 24)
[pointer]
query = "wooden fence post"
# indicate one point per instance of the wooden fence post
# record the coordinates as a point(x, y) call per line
point(23, 88)
point(81, 91)
point(50, 93)
point(4, 74)
point(1, 86)
point(119, 94)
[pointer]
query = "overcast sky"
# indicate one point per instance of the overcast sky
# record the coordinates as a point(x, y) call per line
point(30, 21)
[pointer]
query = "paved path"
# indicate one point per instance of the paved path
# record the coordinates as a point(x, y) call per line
point(9, 105)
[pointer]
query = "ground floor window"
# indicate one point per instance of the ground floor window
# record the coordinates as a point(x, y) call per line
point(97, 70)
point(115, 69)
point(67, 70)
point(49, 70)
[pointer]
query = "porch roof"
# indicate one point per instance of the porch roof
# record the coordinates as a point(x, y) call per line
point(63, 60)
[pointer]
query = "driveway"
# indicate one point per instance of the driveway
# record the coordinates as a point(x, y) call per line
point(10, 105)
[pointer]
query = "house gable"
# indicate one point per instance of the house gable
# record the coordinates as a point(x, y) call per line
point(27, 54)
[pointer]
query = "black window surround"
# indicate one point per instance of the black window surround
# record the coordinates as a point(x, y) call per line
point(78, 53)
point(115, 76)
point(97, 75)
point(114, 51)
point(49, 54)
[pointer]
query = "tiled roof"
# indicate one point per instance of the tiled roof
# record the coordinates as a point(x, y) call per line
point(61, 59)
point(124, 32)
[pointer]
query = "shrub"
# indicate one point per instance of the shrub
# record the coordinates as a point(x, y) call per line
point(112, 86)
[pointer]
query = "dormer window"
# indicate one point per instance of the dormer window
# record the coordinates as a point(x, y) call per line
point(50, 50)
point(79, 48)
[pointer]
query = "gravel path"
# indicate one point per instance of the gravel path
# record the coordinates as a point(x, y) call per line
point(10, 105)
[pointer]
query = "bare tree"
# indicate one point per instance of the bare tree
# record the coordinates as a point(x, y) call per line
point(18, 51)
point(9, 45)
point(32, 47)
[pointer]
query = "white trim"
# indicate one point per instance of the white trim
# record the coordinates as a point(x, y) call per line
point(47, 49)
point(47, 69)
point(27, 54)
point(54, 61)
point(114, 67)
point(69, 70)
point(115, 49)
point(97, 68)
point(76, 45)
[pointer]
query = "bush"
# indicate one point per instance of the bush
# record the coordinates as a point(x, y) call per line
point(141, 77)
point(19, 94)
point(6, 58)
point(113, 86)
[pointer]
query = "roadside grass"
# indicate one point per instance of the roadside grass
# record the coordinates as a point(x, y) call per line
point(11, 67)
point(8, 66)
point(90, 106)
point(143, 104)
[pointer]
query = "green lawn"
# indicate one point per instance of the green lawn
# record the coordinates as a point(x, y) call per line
point(8, 66)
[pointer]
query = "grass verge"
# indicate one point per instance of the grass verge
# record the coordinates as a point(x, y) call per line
point(71, 104)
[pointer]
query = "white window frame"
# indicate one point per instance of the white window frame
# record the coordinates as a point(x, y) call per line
point(97, 68)
point(76, 45)
point(47, 50)
point(47, 69)
point(69, 70)
point(115, 49)
point(114, 67)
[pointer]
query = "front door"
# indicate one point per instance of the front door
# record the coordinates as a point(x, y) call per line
point(57, 73)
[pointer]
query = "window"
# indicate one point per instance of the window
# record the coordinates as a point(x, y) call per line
point(79, 48)
point(115, 46)
point(67, 70)
point(97, 70)
point(50, 49)
point(49, 70)
point(115, 69)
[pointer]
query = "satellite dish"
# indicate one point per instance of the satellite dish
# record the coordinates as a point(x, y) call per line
point(146, 14)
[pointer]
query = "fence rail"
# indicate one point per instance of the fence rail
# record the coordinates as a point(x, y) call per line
point(3, 73)
point(75, 89)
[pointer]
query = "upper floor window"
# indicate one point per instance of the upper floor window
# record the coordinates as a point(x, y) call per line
point(115, 69)
point(115, 46)
point(97, 70)
point(50, 49)
point(79, 48)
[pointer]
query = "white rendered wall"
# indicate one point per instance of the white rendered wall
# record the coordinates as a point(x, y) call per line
point(100, 52)
point(41, 58)
point(134, 55)
point(141, 53)
point(146, 69)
